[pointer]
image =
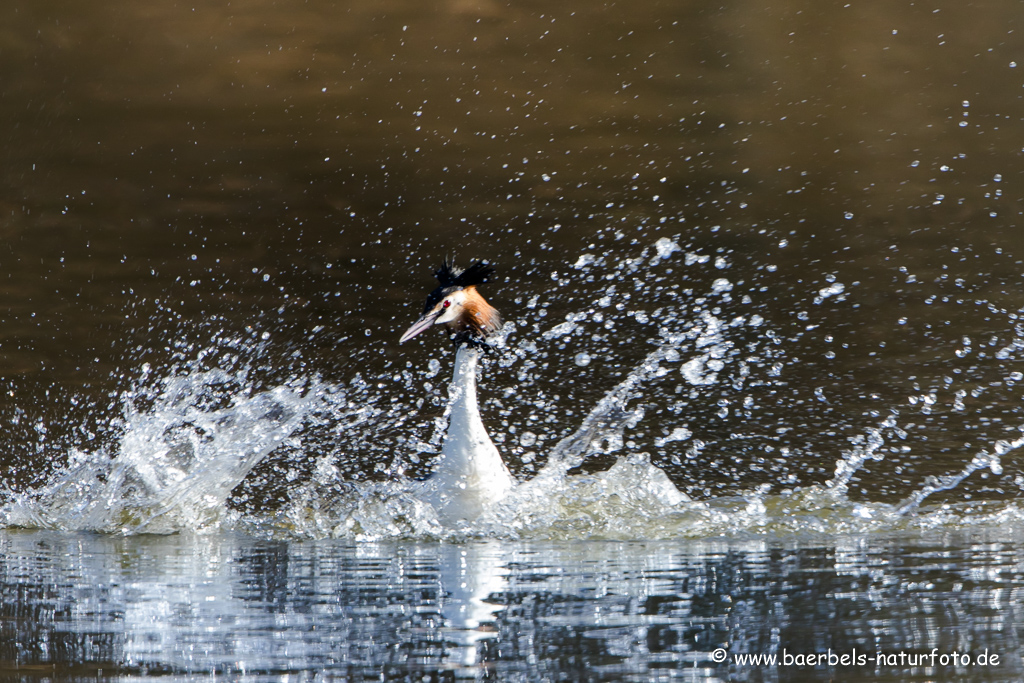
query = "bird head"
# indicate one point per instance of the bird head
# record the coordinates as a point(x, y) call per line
point(457, 304)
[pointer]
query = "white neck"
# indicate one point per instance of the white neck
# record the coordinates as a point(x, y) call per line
point(469, 475)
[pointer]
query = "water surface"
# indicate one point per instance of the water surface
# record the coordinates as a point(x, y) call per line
point(99, 608)
point(761, 268)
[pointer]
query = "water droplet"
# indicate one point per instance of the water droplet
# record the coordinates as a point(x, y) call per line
point(584, 260)
point(527, 439)
point(721, 285)
point(665, 247)
point(582, 359)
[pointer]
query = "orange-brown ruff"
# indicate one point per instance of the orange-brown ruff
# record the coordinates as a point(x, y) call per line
point(458, 305)
point(469, 475)
point(478, 317)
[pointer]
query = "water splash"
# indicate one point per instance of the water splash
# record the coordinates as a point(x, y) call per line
point(177, 461)
point(982, 460)
point(186, 444)
point(869, 446)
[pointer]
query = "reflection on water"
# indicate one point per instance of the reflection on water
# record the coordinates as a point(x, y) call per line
point(85, 607)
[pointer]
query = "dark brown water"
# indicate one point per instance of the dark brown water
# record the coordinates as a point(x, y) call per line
point(296, 172)
point(816, 207)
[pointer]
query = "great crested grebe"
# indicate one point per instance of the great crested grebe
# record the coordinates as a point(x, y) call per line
point(469, 475)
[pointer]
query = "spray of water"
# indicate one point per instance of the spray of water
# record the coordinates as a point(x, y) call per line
point(190, 438)
point(177, 461)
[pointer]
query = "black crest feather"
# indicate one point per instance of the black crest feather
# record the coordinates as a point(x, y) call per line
point(452, 278)
point(450, 275)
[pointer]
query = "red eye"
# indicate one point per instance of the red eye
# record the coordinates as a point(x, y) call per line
point(446, 303)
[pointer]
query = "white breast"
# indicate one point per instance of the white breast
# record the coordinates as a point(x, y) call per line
point(469, 476)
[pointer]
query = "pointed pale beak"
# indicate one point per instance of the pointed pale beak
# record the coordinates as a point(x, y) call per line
point(423, 323)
